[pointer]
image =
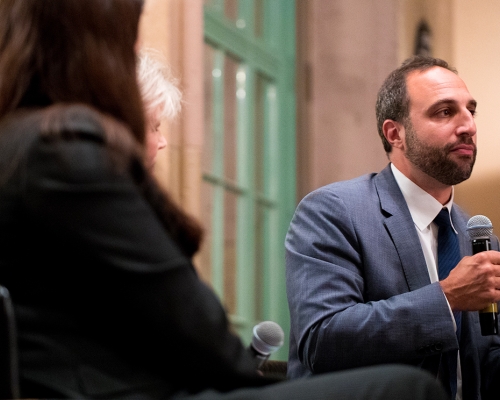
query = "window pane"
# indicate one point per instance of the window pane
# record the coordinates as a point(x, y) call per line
point(230, 114)
point(245, 200)
point(260, 159)
point(260, 258)
point(259, 18)
point(231, 9)
point(210, 72)
point(230, 220)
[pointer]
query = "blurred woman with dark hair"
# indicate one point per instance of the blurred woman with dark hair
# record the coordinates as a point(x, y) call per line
point(97, 262)
point(71, 52)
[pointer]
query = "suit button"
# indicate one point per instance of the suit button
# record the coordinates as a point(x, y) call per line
point(438, 346)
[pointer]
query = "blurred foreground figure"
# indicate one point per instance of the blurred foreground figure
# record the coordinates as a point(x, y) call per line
point(162, 99)
point(97, 260)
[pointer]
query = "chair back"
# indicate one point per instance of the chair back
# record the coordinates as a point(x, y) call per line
point(9, 373)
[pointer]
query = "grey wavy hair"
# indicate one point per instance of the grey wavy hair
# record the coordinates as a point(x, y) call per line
point(158, 88)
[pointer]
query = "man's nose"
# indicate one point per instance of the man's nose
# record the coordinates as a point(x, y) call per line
point(467, 124)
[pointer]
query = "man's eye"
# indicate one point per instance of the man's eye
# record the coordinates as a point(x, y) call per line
point(446, 112)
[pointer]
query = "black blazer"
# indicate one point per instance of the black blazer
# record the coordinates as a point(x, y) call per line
point(106, 304)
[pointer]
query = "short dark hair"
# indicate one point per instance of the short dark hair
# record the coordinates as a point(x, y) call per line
point(393, 101)
point(71, 51)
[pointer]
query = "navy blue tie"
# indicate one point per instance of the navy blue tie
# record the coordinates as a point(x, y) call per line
point(448, 246)
point(448, 257)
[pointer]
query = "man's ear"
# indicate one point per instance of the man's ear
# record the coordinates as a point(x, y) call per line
point(394, 133)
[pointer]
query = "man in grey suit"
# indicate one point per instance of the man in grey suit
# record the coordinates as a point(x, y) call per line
point(361, 255)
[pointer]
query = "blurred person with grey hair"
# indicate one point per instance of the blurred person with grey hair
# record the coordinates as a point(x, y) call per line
point(161, 97)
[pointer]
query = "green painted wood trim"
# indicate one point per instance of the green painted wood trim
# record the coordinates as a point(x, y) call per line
point(287, 118)
point(272, 56)
point(245, 278)
point(222, 33)
point(217, 251)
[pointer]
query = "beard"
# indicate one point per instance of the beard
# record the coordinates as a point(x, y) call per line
point(436, 161)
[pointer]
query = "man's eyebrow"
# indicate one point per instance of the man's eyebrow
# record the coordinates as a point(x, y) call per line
point(472, 103)
point(441, 102)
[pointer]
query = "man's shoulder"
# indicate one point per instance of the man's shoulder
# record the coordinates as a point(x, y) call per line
point(363, 180)
point(359, 195)
point(361, 184)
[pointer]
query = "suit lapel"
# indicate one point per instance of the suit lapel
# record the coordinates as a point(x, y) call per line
point(460, 225)
point(401, 229)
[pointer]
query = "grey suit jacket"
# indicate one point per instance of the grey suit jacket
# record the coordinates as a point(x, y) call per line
point(359, 291)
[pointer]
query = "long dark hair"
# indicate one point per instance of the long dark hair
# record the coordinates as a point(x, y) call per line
point(55, 52)
point(126, 154)
point(71, 51)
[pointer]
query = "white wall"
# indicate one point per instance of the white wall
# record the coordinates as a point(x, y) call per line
point(477, 57)
point(476, 49)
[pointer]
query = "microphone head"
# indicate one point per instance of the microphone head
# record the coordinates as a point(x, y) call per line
point(479, 227)
point(267, 337)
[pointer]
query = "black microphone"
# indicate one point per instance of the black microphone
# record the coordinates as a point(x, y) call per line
point(267, 338)
point(480, 230)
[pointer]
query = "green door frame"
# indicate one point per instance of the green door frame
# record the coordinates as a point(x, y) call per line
point(265, 155)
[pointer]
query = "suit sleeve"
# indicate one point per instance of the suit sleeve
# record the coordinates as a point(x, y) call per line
point(121, 273)
point(350, 303)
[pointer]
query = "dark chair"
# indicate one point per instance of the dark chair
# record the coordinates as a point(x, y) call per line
point(9, 370)
point(9, 373)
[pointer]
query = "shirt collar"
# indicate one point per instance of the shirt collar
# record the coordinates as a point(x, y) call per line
point(423, 207)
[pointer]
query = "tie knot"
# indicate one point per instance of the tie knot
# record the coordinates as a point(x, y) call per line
point(443, 218)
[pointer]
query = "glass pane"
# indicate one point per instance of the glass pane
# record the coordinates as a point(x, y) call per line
point(209, 72)
point(231, 9)
point(259, 18)
point(260, 258)
point(232, 12)
point(259, 134)
point(230, 114)
point(230, 207)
